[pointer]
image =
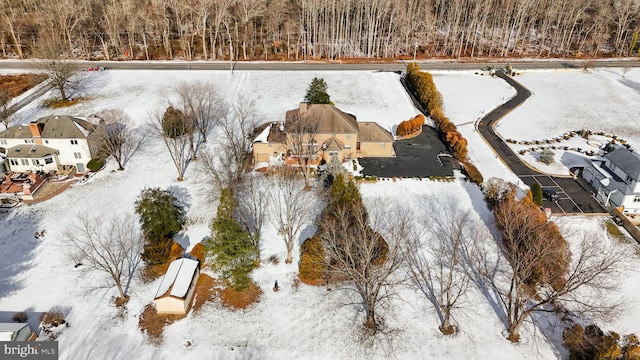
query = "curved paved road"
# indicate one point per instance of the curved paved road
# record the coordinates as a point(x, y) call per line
point(575, 195)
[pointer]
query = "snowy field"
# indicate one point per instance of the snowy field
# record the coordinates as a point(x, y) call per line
point(307, 323)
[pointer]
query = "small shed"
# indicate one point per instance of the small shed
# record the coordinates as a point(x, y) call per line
point(177, 287)
point(14, 331)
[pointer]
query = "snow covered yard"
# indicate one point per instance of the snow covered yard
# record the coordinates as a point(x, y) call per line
point(302, 323)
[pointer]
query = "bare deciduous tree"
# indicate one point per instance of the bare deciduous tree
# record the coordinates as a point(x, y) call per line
point(438, 257)
point(594, 270)
point(251, 193)
point(110, 246)
point(229, 157)
point(173, 128)
point(60, 71)
point(200, 103)
point(291, 206)
point(364, 250)
point(301, 137)
point(117, 137)
point(5, 99)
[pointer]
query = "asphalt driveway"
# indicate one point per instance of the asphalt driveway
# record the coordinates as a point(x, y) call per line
point(575, 194)
point(422, 156)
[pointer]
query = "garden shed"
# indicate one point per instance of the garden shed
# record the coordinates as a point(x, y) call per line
point(177, 287)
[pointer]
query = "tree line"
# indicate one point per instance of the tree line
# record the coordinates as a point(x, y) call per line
point(331, 29)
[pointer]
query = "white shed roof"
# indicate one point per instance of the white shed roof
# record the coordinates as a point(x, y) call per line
point(178, 278)
point(12, 327)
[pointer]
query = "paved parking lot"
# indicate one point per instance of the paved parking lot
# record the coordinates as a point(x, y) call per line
point(565, 203)
point(420, 156)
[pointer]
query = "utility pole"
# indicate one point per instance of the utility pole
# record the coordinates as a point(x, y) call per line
point(304, 49)
point(231, 54)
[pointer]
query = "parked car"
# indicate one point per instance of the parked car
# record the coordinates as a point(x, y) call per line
point(550, 194)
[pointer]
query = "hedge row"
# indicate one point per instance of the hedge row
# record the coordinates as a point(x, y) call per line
point(410, 126)
point(431, 99)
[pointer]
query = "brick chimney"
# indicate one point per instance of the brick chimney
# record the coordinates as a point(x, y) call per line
point(36, 131)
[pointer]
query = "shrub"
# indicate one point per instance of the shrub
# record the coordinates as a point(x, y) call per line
point(20, 317)
point(536, 192)
point(592, 343)
point(312, 261)
point(547, 157)
point(95, 165)
point(473, 173)
point(198, 252)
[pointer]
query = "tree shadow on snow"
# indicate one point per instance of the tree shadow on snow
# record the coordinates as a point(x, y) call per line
point(18, 244)
point(183, 196)
point(634, 85)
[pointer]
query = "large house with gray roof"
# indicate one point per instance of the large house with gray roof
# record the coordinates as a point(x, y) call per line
point(616, 179)
point(50, 143)
point(333, 133)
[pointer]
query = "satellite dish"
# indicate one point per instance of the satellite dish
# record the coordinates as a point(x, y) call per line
point(605, 182)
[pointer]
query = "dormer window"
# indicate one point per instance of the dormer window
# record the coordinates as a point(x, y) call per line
point(629, 179)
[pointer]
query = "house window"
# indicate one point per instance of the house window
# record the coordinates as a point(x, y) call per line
point(3, 142)
point(348, 136)
point(358, 145)
point(48, 160)
point(77, 155)
point(46, 141)
point(28, 141)
point(347, 147)
point(35, 162)
point(629, 179)
point(636, 199)
point(13, 161)
point(74, 142)
point(24, 161)
point(382, 144)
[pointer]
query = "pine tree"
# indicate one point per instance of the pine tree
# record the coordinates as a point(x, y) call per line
point(317, 92)
point(536, 193)
point(312, 261)
point(233, 250)
point(161, 217)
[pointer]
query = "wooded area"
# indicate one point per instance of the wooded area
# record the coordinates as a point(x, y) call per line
point(329, 29)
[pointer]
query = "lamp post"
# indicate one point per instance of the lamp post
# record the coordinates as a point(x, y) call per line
point(609, 196)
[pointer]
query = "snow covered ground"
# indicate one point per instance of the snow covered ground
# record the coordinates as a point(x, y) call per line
point(308, 322)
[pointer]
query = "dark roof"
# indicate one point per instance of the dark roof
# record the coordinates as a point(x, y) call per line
point(330, 119)
point(625, 160)
point(276, 134)
point(53, 127)
point(30, 151)
point(370, 131)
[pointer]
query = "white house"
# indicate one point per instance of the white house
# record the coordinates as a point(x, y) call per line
point(616, 179)
point(177, 287)
point(50, 142)
point(14, 331)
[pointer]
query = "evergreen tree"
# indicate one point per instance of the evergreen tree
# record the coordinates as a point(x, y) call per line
point(317, 92)
point(536, 193)
point(161, 217)
point(174, 123)
point(233, 250)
